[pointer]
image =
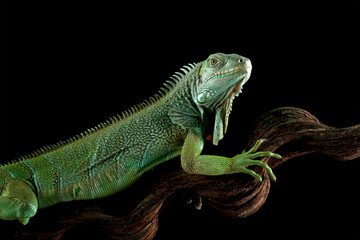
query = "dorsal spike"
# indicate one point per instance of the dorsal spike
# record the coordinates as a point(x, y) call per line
point(175, 78)
point(189, 68)
point(157, 97)
point(152, 100)
point(181, 75)
point(161, 94)
point(113, 119)
point(148, 103)
point(184, 70)
point(172, 83)
point(168, 87)
point(165, 90)
point(142, 105)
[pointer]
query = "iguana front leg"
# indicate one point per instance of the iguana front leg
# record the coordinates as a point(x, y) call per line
point(193, 162)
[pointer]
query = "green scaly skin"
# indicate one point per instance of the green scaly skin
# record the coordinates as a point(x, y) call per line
point(110, 158)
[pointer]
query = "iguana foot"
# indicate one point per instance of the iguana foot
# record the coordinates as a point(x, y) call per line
point(17, 200)
point(246, 159)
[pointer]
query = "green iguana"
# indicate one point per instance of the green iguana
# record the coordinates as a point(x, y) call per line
point(194, 106)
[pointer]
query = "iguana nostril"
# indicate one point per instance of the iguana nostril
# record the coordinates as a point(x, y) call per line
point(245, 62)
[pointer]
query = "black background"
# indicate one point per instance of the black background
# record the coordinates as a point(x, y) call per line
point(68, 66)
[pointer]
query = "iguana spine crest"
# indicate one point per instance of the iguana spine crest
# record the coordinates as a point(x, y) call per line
point(169, 84)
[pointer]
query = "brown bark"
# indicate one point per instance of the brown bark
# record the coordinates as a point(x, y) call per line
point(236, 196)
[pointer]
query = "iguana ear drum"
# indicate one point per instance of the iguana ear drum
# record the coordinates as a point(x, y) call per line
point(204, 95)
point(201, 97)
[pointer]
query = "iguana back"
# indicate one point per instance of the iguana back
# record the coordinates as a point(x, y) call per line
point(105, 161)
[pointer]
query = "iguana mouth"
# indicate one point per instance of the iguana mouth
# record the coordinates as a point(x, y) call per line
point(226, 72)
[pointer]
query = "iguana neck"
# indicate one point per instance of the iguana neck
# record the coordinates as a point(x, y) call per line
point(183, 110)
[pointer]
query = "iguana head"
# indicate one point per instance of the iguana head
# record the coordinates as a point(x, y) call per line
point(221, 78)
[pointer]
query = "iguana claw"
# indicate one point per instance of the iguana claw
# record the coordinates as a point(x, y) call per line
point(245, 159)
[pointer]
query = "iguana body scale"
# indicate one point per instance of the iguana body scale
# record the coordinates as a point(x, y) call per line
point(113, 156)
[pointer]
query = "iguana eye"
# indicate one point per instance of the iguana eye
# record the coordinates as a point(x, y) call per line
point(214, 61)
